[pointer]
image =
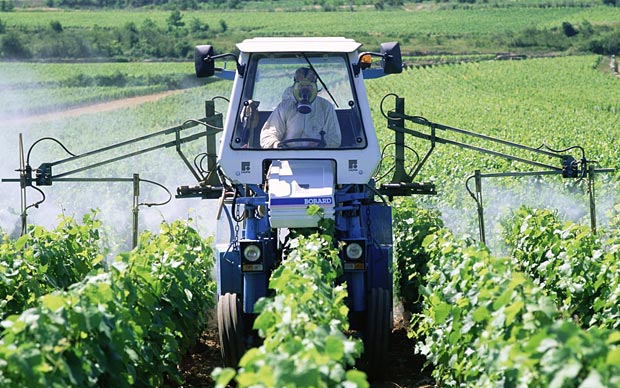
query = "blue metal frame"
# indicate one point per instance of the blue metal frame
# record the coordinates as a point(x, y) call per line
point(250, 286)
point(358, 218)
point(361, 218)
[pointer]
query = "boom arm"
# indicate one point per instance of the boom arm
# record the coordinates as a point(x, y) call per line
point(402, 182)
point(206, 178)
point(212, 122)
point(396, 122)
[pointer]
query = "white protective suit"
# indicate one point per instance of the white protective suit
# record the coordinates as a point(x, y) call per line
point(286, 123)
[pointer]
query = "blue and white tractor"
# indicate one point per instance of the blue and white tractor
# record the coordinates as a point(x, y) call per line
point(266, 190)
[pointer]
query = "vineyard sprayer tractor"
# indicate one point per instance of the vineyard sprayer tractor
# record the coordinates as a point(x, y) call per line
point(267, 189)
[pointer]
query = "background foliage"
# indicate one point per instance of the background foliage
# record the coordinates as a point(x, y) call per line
point(172, 30)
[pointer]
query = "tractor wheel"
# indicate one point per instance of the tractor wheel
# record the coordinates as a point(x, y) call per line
point(376, 335)
point(230, 326)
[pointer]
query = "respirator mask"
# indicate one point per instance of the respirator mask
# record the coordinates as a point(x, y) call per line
point(304, 89)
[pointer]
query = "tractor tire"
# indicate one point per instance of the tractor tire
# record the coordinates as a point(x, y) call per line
point(230, 327)
point(377, 333)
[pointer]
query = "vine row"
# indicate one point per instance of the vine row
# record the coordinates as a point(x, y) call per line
point(127, 326)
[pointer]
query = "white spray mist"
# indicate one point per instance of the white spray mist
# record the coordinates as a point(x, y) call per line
point(500, 201)
point(113, 199)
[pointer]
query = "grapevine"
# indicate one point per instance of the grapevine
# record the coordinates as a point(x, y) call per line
point(126, 326)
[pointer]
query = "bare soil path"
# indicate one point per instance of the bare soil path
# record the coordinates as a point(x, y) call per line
point(405, 368)
point(93, 108)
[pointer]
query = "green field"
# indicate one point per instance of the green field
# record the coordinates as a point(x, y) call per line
point(39, 88)
point(394, 23)
point(536, 307)
point(56, 72)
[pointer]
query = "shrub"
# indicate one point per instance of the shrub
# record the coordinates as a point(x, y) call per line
point(13, 47)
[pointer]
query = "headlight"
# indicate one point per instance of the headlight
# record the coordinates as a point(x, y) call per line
point(251, 253)
point(354, 251)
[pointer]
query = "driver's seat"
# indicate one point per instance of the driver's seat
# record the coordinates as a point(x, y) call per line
point(257, 126)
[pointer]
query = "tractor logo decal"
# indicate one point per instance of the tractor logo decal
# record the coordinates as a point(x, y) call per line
point(301, 201)
point(318, 201)
point(353, 165)
point(245, 168)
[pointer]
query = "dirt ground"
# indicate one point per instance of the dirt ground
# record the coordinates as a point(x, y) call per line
point(91, 108)
point(405, 369)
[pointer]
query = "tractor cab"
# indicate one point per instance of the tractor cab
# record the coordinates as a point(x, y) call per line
point(264, 81)
point(270, 83)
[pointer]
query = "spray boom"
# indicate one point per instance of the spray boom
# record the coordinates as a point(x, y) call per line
point(569, 167)
point(44, 175)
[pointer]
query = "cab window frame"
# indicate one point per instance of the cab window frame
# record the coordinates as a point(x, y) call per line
point(347, 108)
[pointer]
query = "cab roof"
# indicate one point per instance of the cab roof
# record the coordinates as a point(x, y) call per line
point(299, 44)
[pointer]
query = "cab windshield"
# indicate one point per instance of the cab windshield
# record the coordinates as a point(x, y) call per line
point(298, 101)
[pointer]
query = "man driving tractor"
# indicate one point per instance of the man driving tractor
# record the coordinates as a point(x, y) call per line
point(302, 119)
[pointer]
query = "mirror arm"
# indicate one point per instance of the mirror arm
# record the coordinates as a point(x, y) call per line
point(240, 67)
point(362, 66)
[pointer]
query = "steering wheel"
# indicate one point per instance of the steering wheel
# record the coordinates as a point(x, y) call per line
point(320, 143)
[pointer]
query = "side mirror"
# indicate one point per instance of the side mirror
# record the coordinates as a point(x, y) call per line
point(203, 61)
point(392, 62)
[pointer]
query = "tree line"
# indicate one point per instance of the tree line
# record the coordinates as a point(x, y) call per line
point(175, 40)
point(325, 5)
